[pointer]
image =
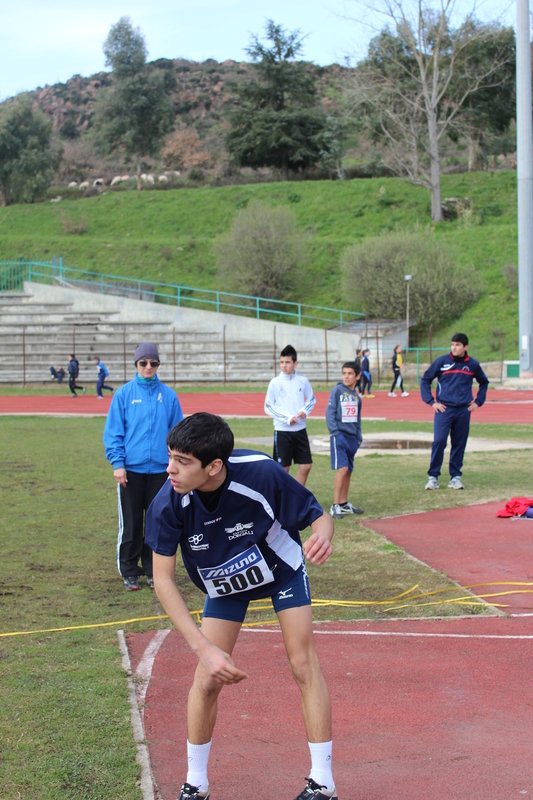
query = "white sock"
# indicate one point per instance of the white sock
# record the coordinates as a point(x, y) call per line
point(321, 764)
point(197, 757)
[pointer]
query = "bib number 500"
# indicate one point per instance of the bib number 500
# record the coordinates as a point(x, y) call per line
point(243, 571)
point(239, 582)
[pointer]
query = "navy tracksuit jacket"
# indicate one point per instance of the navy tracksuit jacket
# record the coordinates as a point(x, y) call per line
point(454, 390)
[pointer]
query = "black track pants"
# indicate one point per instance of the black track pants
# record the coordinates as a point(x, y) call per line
point(133, 502)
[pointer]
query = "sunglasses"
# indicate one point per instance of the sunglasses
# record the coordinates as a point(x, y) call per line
point(144, 363)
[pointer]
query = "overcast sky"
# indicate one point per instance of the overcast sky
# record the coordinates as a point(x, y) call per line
point(47, 42)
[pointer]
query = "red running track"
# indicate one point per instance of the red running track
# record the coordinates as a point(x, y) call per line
point(426, 710)
point(505, 406)
point(423, 709)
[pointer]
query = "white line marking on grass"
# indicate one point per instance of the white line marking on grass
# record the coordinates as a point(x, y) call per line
point(143, 758)
point(406, 634)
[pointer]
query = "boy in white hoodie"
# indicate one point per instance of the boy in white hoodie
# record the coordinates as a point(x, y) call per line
point(290, 400)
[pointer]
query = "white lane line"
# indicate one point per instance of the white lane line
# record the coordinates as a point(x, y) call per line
point(144, 669)
point(406, 634)
point(147, 786)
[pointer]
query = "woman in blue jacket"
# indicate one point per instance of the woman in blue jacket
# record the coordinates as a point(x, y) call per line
point(142, 413)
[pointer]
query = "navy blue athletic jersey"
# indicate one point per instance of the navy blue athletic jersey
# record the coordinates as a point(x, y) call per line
point(250, 542)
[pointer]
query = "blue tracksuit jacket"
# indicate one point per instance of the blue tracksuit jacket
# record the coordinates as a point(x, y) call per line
point(340, 394)
point(139, 419)
point(455, 377)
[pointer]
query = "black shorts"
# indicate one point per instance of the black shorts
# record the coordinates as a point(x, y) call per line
point(289, 447)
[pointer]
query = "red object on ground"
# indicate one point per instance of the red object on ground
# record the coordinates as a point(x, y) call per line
point(505, 406)
point(421, 709)
point(471, 545)
point(515, 507)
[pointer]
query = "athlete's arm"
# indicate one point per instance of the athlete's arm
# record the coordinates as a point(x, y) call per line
point(317, 548)
point(218, 664)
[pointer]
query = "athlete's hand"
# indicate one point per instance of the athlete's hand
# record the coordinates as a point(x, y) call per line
point(293, 420)
point(121, 476)
point(439, 407)
point(473, 406)
point(301, 415)
point(317, 548)
point(219, 665)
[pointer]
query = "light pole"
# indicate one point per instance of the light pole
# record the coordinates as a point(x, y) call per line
point(524, 169)
point(407, 278)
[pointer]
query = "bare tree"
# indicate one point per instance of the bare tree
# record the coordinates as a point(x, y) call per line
point(410, 89)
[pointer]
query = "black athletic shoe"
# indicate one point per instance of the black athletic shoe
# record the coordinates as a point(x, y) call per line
point(149, 581)
point(189, 792)
point(132, 584)
point(313, 791)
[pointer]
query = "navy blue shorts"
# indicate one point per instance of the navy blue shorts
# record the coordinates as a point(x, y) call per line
point(343, 449)
point(295, 593)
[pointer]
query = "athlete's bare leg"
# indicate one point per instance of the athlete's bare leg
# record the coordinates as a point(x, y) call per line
point(297, 629)
point(203, 696)
point(341, 485)
point(303, 472)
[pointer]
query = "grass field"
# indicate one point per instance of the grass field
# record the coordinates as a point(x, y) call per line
point(65, 727)
point(167, 236)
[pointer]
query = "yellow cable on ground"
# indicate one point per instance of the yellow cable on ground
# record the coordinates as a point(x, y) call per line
point(255, 605)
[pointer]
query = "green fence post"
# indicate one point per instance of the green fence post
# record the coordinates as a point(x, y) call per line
point(178, 298)
point(218, 302)
point(101, 284)
point(418, 365)
point(299, 314)
point(257, 306)
point(61, 270)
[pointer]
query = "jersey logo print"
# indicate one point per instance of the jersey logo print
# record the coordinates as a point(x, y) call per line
point(195, 540)
point(240, 530)
point(136, 401)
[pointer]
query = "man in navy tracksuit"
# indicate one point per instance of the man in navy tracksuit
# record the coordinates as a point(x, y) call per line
point(453, 406)
point(142, 413)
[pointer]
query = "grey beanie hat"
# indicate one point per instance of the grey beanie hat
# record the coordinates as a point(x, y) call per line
point(146, 350)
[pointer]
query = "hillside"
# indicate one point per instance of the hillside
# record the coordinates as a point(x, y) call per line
point(167, 236)
point(203, 94)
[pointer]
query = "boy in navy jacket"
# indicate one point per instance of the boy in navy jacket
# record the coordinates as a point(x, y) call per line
point(454, 404)
point(343, 418)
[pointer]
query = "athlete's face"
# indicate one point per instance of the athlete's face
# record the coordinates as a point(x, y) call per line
point(186, 473)
point(458, 349)
point(287, 365)
point(349, 378)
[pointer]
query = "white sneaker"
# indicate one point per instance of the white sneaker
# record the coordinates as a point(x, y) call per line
point(392, 394)
point(432, 483)
point(336, 511)
point(405, 394)
point(455, 483)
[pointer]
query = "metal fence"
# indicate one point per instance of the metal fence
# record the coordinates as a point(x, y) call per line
point(14, 273)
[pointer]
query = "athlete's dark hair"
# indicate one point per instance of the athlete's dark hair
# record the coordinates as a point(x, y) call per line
point(460, 337)
point(357, 352)
point(351, 365)
point(204, 436)
point(289, 352)
point(96, 358)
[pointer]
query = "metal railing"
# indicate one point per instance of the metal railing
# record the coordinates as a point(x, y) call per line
point(14, 273)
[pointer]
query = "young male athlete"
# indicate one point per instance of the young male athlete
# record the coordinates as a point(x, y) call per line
point(455, 402)
point(343, 418)
point(236, 516)
point(290, 400)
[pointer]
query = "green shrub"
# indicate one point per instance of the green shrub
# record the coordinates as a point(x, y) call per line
point(374, 277)
point(262, 253)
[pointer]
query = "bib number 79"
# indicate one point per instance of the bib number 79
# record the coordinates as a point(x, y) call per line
point(239, 582)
